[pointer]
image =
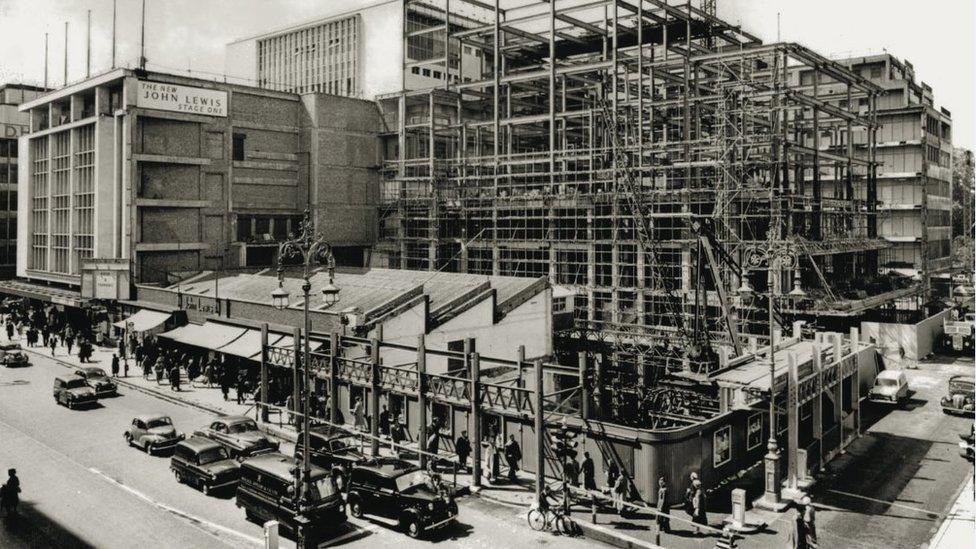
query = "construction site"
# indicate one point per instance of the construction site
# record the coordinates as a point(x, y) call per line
point(685, 187)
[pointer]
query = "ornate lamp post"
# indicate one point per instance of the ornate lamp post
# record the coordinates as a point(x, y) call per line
point(311, 248)
point(776, 255)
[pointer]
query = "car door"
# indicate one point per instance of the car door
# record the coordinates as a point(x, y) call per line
point(139, 432)
point(385, 504)
point(218, 431)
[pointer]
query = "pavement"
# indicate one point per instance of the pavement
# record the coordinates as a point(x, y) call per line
point(957, 529)
point(891, 489)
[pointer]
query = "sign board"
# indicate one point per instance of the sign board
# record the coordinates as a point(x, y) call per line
point(170, 97)
point(105, 279)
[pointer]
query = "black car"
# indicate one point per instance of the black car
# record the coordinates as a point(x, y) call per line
point(13, 356)
point(267, 492)
point(401, 491)
point(203, 463)
point(334, 450)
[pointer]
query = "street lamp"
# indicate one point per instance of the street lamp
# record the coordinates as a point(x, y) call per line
point(775, 255)
point(310, 248)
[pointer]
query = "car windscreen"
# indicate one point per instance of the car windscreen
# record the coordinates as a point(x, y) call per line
point(74, 383)
point(409, 480)
point(158, 422)
point(961, 386)
point(211, 455)
point(96, 372)
point(887, 382)
point(343, 443)
point(323, 488)
point(242, 427)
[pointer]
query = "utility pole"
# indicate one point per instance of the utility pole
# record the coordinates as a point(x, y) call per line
point(114, 6)
point(88, 49)
point(65, 53)
point(142, 39)
point(45, 61)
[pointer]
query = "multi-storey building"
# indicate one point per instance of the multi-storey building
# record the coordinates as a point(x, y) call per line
point(136, 176)
point(13, 124)
point(914, 171)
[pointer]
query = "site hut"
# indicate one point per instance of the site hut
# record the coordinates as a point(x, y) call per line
point(136, 176)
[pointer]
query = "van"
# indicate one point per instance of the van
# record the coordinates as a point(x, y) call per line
point(267, 492)
point(890, 387)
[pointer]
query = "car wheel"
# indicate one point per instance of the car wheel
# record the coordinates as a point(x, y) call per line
point(128, 438)
point(412, 527)
point(149, 448)
point(179, 477)
point(340, 480)
point(356, 508)
point(204, 487)
point(251, 517)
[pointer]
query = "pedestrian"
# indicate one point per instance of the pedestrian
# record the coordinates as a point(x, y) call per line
point(45, 334)
point(698, 504)
point(809, 522)
point(52, 342)
point(613, 471)
point(689, 493)
point(174, 378)
point(224, 382)
point(589, 472)
point(462, 447)
point(385, 422)
point(115, 365)
point(359, 415)
point(241, 387)
point(513, 454)
point(433, 443)
point(397, 435)
point(571, 471)
point(663, 509)
point(160, 369)
point(798, 531)
point(137, 352)
point(491, 458)
point(10, 330)
point(146, 367)
point(619, 494)
point(121, 345)
point(69, 341)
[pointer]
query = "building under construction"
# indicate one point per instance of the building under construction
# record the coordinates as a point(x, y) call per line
point(650, 159)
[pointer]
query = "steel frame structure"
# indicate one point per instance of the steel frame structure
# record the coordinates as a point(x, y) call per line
point(594, 121)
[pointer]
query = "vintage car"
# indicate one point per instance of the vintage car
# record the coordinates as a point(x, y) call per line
point(72, 391)
point(890, 387)
point(12, 355)
point(960, 398)
point(97, 379)
point(203, 463)
point(403, 492)
point(152, 433)
point(239, 435)
point(334, 450)
point(267, 492)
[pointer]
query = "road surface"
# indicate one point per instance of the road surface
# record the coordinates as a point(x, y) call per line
point(83, 487)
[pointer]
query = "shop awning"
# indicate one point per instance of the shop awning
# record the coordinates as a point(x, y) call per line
point(210, 335)
point(143, 320)
point(248, 345)
point(41, 292)
point(288, 342)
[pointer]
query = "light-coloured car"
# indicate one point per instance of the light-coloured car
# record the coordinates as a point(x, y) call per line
point(890, 387)
point(152, 433)
point(239, 435)
point(72, 392)
point(97, 379)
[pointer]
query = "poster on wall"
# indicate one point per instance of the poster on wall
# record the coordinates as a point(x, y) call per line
point(186, 99)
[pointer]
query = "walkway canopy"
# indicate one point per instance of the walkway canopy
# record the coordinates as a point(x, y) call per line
point(143, 320)
point(210, 335)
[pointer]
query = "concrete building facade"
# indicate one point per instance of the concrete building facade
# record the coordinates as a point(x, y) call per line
point(135, 176)
point(13, 124)
point(914, 152)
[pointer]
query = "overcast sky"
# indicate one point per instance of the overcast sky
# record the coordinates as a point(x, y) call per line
point(937, 36)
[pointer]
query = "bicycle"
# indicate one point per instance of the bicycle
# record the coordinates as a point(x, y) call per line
point(551, 517)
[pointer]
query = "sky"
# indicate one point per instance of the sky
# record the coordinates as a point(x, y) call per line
point(937, 36)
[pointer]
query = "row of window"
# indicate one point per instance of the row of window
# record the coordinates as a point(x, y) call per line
point(437, 75)
point(722, 440)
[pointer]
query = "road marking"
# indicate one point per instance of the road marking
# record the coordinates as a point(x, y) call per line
point(177, 512)
point(891, 503)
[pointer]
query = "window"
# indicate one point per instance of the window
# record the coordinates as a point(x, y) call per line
point(876, 72)
point(437, 74)
point(722, 446)
point(397, 406)
point(415, 70)
point(425, 72)
point(239, 146)
point(754, 437)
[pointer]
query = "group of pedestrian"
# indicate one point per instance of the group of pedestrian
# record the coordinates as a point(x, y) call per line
point(803, 535)
point(10, 494)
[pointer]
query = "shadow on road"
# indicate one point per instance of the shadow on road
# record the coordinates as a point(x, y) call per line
point(32, 528)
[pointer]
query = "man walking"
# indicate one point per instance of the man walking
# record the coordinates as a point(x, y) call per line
point(385, 422)
point(513, 454)
point(224, 382)
point(663, 509)
point(52, 342)
point(462, 446)
point(115, 365)
point(241, 387)
point(396, 434)
point(589, 472)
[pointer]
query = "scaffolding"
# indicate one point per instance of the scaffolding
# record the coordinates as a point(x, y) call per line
point(634, 151)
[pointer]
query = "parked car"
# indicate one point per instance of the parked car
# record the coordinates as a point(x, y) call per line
point(966, 442)
point(890, 387)
point(97, 379)
point(71, 391)
point(239, 435)
point(152, 433)
point(267, 492)
point(334, 450)
point(961, 395)
point(401, 491)
point(203, 463)
point(12, 355)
